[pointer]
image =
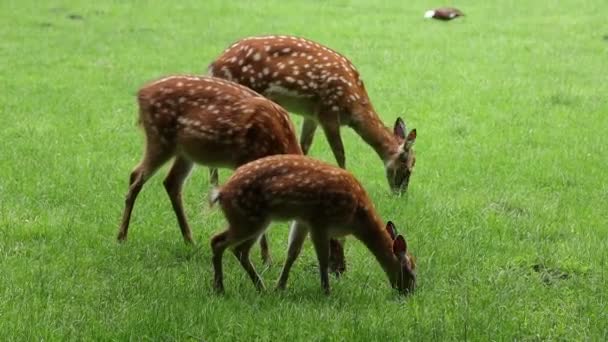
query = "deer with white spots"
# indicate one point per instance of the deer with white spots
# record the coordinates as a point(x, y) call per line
point(323, 86)
point(325, 202)
point(208, 121)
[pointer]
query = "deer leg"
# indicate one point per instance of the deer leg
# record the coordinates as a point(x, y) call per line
point(321, 243)
point(143, 171)
point(219, 243)
point(266, 258)
point(242, 254)
point(173, 184)
point(230, 237)
point(309, 126)
point(337, 262)
point(331, 127)
point(297, 235)
point(213, 176)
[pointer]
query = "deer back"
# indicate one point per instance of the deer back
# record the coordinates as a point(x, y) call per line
point(290, 66)
point(294, 187)
point(214, 121)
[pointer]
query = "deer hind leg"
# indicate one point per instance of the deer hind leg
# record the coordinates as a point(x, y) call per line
point(321, 244)
point(309, 126)
point(154, 157)
point(241, 252)
point(213, 176)
point(233, 236)
point(297, 235)
point(173, 184)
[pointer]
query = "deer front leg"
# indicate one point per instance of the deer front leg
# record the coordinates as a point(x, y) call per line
point(309, 126)
point(321, 243)
point(337, 261)
point(331, 126)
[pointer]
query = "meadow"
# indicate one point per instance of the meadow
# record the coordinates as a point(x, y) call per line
point(506, 210)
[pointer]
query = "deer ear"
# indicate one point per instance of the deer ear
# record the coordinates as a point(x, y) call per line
point(399, 129)
point(390, 228)
point(399, 247)
point(411, 139)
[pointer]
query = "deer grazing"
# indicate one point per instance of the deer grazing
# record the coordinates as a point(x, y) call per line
point(325, 201)
point(324, 86)
point(207, 121)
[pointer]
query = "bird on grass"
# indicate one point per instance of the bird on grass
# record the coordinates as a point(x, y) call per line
point(443, 13)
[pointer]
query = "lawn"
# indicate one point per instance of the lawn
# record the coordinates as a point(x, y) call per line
point(506, 211)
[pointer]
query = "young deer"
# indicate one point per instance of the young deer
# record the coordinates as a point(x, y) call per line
point(207, 121)
point(326, 201)
point(324, 86)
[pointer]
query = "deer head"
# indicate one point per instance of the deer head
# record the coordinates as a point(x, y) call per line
point(405, 273)
point(400, 164)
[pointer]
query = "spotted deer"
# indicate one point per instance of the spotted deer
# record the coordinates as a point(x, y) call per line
point(325, 202)
point(207, 121)
point(323, 86)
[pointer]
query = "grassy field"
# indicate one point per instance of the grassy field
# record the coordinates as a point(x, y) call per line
point(506, 211)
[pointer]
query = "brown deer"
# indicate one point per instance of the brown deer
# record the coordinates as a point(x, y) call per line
point(324, 86)
point(326, 201)
point(207, 121)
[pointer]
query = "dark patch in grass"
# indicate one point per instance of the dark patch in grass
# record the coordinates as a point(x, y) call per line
point(561, 99)
point(461, 131)
point(75, 17)
point(550, 276)
point(605, 37)
point(45, 25)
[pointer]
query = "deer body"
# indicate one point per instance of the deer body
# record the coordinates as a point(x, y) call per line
point(325, 201)
point(325, 87)
point(207, 121)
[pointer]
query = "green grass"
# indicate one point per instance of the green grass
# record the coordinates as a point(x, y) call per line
point(506, 212)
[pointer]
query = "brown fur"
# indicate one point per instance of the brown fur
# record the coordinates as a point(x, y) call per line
point(321, 84)
point(206, 121)
point(326, 201)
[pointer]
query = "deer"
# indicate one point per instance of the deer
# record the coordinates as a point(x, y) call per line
point(207, 121)
point(325, 87)
point(324, 201)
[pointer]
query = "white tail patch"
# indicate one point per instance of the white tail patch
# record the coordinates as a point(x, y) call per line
point(429, 14)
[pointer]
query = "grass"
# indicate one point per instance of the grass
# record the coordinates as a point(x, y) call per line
point(506, 212)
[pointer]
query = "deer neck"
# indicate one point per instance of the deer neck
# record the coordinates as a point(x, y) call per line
point(380, 244)
point(373, 131)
